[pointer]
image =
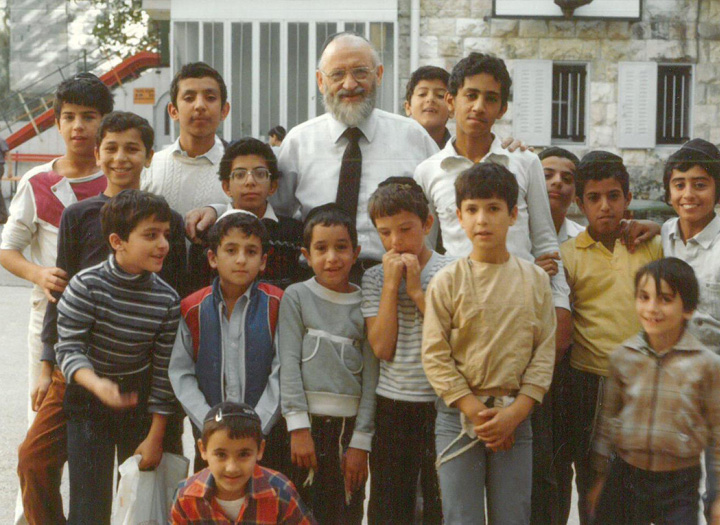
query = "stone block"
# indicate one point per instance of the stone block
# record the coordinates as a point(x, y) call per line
point(590, 30)
point(700, 93)
point(712, 94)
point(662, 50)
point(705, 115)
point(439, 26)
point(533, 28)
point(611, 114)
point(466, 27)
point(449, 46)
point(555, 49)
point(640, 30)
point(602, 137)
point(481, 8)
point(667, 9)
point(660, 30)
point(618, 30)
point(709, 52)
point(634, 157)
point(598, 113)
point(602, 92)
point(710, 31)
point(494, 46)
point(561, 29)
point(633, 50)
point(428, 46)
point(445, 8)
point(525, 48)
point(707, 73)
point(500, 27)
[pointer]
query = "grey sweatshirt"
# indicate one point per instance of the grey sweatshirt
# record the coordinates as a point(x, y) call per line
point(327, 367)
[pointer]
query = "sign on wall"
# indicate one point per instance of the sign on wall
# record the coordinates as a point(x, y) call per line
point(144, 96)
point(637, 104)
point(622, 9)
point(532, 101)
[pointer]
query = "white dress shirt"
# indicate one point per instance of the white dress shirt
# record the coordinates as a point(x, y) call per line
point(311, 155)
point(532, 235)
point(702, 252)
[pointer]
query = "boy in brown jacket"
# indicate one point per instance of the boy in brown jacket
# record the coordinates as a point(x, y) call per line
point(660, 410)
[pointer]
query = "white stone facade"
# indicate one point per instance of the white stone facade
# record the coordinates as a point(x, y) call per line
point(668, 32)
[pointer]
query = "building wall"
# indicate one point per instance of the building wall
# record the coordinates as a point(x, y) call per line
point(668, 33)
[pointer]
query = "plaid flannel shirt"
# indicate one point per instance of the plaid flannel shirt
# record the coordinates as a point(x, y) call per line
point(270, 498)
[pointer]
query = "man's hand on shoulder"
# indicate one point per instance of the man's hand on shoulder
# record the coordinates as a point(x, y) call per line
point(198, 221)
point(512, 145)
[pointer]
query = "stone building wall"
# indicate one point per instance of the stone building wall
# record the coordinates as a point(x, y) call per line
point(668, 33)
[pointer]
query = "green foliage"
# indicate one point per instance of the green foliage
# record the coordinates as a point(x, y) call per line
point(122, 28)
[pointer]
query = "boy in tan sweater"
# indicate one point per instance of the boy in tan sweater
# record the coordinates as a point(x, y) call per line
point(488, 351)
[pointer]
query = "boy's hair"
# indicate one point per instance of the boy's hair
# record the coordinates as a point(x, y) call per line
point(475, 64)
point(425, 73)
point(196, 70)
point(398, 194)
point(601, 165)
point(560, 152)
point(248, 146)
point(246, 222)
point(279, 132)
point(119, 121)
point(696, 152)
point(678, 275)
point(122, 213)
point(328, 215)
point(239, 419)
point(84, 89)
point(486, 180)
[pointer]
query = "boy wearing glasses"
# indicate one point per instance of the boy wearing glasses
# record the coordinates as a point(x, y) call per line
point(249, 175)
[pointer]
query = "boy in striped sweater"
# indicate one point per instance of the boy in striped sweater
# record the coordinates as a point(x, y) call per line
point(116, 326)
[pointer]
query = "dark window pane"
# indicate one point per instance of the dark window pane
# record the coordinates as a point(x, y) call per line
point(673, 104)
point(568, 102)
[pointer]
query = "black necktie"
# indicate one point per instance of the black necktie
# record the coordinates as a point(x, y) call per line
point(350, 170)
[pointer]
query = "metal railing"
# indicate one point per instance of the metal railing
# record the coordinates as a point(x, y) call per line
point(27, 103)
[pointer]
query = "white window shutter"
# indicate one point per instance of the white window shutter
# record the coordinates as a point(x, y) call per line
point(637, 104)
point(532, 101)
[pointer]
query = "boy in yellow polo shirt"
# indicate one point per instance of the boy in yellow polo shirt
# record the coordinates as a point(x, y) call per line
point(600, 272)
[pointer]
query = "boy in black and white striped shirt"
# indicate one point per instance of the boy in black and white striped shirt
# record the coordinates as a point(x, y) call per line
point(116, 326)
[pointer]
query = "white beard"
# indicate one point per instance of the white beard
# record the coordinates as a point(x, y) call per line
point(352, 114)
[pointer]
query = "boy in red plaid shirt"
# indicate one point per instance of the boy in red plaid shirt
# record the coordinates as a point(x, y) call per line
point(234, 488)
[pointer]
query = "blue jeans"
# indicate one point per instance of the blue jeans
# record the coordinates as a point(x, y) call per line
point(506, 477)
point(634, 496)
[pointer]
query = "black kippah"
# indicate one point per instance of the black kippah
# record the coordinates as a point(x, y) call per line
point(228, 409)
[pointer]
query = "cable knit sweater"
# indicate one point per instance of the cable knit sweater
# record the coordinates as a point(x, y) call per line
point(185, 182)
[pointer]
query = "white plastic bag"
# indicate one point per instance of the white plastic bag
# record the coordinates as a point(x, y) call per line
point(145, 497)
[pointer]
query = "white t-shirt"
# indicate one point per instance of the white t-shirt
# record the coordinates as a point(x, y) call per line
point(231, 508)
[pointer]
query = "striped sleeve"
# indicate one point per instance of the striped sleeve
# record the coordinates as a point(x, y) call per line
point(162, 397)
point(372, 283)
point(76, 316)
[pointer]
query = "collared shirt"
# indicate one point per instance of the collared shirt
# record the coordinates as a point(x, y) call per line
point(532, 235)
point(569, 230)
point(702, 252)
point(233, 343)
point(186, 182)
point(270, 498)
point(603, 291)
point(311, 156)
